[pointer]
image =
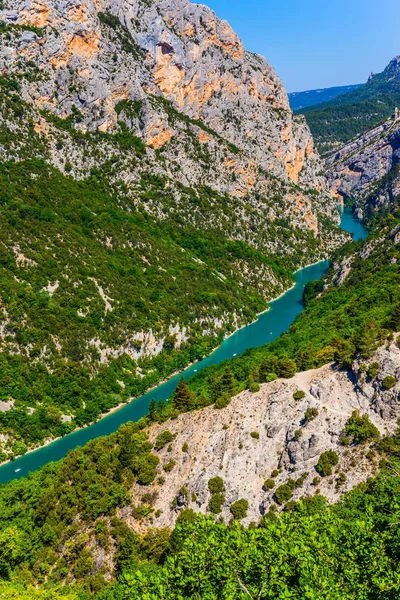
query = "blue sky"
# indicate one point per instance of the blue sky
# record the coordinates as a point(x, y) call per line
point(317, 43)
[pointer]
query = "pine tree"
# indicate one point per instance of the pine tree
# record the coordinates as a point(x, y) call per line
point(153, 410)
point(183, 396)
point(395, 320)
point(227, 383)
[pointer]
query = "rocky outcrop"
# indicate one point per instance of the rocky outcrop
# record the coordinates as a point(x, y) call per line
point(268, 430)
point(90, 55)
point(365, 168)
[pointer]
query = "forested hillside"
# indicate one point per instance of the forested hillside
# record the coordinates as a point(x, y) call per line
point(348, 115)
point(299, 100)
point(139, 224)
point(69, 521)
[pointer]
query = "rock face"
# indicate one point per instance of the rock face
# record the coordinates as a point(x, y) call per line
point(258, 433)
point(161, 102)
point(365, 168)
point(91, 55)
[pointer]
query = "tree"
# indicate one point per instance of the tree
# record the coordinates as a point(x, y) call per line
point(287, 367)
point(395, 320)
point(183, 399)
point(325, 463)
point(227, 383)
point(153, 410)
point(239, 509)
point(360, 428)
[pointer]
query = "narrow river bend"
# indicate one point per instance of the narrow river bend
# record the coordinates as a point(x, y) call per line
point(269, 326)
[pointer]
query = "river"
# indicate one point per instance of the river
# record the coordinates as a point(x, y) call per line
point(268, 327)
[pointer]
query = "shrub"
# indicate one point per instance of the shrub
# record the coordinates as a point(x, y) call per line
point(287, 368)
point(145, 468)
point(325, 463)
point(341, 480)
point(185, 447)
point(223, 401)
point(283, 493)
point(269, 484)
point(169, 466)
point(299, 395)
point(254, 387)
point(373, 370)
point(216, 485)
point(310, 414)
point(239, 509)
point(216, 502)
point(360, 428)
point(275, 473)
point(389, 382)
point(297, 435)
point(163, 439)
point(255, 435)
point(299, 482)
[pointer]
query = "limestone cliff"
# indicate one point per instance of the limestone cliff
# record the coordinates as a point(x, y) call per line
point(366, 168)
point(91, 55)
point(268, 430)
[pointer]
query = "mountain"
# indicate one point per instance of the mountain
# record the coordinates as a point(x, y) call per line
point(366, 170)
point(275, 455)
point(349, 115)
point(156, 192)
point(299, 100)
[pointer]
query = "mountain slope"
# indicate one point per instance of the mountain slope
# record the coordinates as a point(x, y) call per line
point(148, 208)
point(299, 100)
point(351, 114)
point(366, 170)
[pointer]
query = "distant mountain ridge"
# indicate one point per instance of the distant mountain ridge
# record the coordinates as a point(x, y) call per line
point(299, 100)
point(339, 120)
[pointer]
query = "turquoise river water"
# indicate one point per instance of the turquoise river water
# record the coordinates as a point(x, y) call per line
point(268, 327)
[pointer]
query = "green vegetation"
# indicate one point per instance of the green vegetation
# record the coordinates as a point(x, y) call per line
point(360, 429)
point(269, 484)
point(163, 439)
point(299, 395)
point(239, 509)
point(326, 461)
point(346, 116)
point(283, 493)
point(389, 382)
point(216, 485)
point(255, 435)
point(50, 521)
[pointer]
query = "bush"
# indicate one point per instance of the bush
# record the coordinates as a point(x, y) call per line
point(269, 484)
point(310, 414)
point(275, 473)
point(145, 468)
point(283, 493)
point(297, 435)
point(299, 395)
point(255, 435)
point(216, 485)
point(373, 370)
point(163, 439)
point(185, 447)
point(360, 429)
point(325, 463)
point(287, 368)
point(216, 502)
point(169, 466)
point(239, 509)
point(389, 382)
point(254, 387)
point(223, 401)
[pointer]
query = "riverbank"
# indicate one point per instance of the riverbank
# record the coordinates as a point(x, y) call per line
point(176, 374)
point(269, 325)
